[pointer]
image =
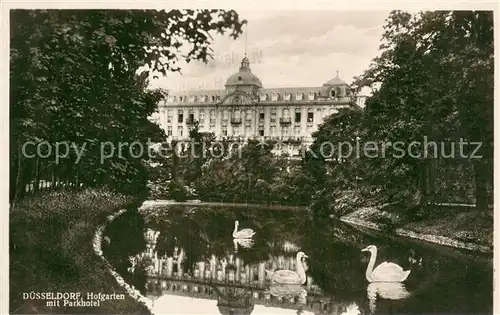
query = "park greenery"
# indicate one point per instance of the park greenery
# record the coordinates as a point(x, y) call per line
point(433, 78)
point(74, 77)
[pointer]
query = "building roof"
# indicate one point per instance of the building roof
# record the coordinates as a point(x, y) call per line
point(335, 81)
point(244, 76)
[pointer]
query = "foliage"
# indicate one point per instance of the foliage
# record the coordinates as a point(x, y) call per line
point(436, 71)
point(177, 190)
point(51, 249)
point(74, 77)
point(431, 82)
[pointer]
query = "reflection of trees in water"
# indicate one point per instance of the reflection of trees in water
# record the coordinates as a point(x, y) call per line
point(126, 234)
point(335, 264)
point(206, 231)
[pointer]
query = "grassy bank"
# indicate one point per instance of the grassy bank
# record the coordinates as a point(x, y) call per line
point(51, 251)
point(447, 225)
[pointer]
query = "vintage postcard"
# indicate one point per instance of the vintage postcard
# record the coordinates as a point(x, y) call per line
point(168, 158)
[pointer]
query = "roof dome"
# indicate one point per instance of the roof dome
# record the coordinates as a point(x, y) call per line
point(335, 81)
point(244, 76)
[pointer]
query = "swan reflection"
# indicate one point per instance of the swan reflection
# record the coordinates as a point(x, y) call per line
point(292, 292)
point(245, 243)
point(385, 290)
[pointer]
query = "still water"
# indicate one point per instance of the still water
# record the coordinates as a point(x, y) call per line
point(195, 266)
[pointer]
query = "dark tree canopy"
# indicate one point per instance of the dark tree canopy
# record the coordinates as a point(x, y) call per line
point(74, 78)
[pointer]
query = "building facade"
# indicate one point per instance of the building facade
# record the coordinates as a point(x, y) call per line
point(245, 109)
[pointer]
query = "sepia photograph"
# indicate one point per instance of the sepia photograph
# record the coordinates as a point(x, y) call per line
point(262, 160)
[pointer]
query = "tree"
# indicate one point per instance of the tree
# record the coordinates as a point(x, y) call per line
point(435, 74)
point(74, 77)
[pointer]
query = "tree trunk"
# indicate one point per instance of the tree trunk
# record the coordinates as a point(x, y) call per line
point(77, 184)
point(481, 175)
point(20, 187)
point(53, 180)
point(37, 175)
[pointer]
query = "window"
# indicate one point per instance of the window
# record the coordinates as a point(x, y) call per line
point(310, 117)
point(286, 112)
point(202, 115)
point(212, 113)
point(275, 96)
point(169, 130)
point(169, 119)
point(180, 117)
point(297, 117)
point(273, 117)
point(249, 114)
point(191, 117)
point(297, 130)
point(261, 132)
point(333, 93)
point(262, 116)
point(224, 114)
point(288, 96)
point(224, 132)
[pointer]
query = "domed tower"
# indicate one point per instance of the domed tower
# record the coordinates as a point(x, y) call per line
point(335, 88)
point(244, 81)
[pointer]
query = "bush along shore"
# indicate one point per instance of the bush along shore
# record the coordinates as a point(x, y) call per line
point(457, 227)
point(55, 246)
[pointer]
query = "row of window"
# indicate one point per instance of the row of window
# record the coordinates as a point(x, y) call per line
point(263, 97)
point(262, 116)
point(249, 115)
point(236, 131)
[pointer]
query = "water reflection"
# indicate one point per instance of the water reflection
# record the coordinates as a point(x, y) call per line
point(245, 243)
point(385, 290)
point(195, 258)
point(287, 276)
point(289, 291)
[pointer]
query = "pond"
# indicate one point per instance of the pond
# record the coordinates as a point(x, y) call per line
point(194, 266)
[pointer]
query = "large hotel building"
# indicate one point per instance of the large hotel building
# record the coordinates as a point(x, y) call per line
point(245, 109)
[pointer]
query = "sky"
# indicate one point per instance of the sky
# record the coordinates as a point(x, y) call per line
point(289, 49)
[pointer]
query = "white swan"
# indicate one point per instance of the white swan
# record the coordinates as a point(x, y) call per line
point(288, 276)
point(245, 233)
point(386, 271)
